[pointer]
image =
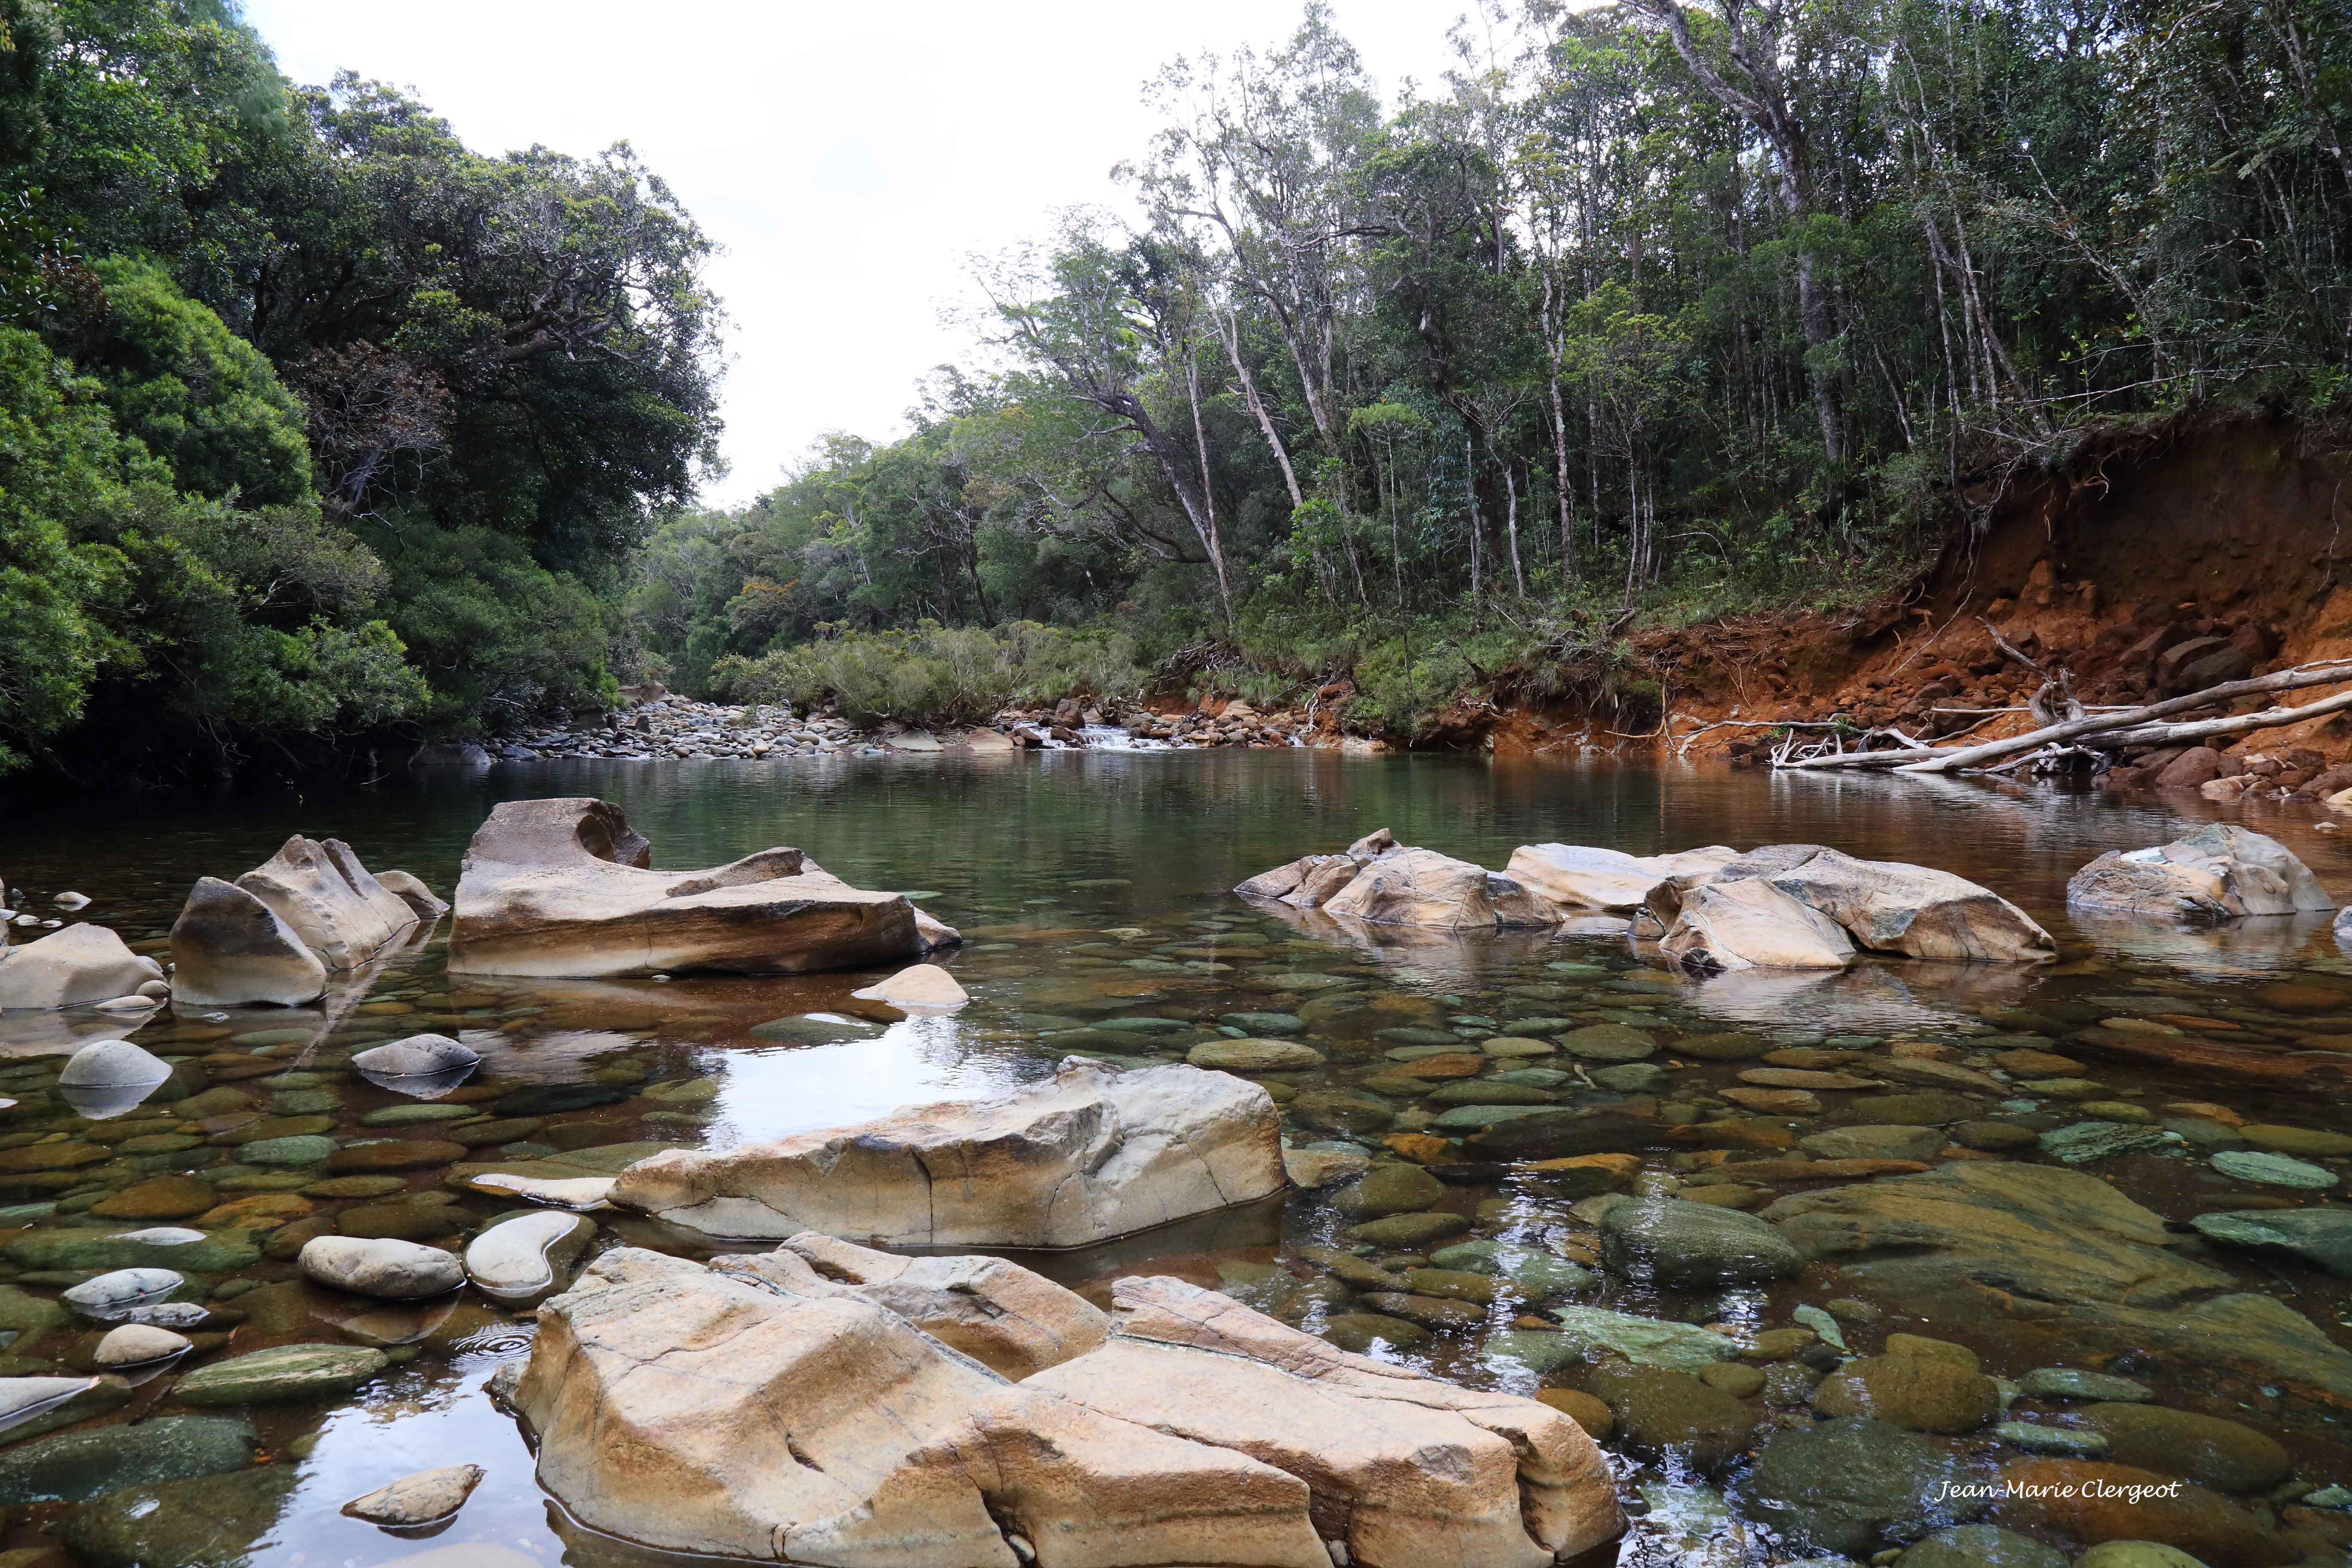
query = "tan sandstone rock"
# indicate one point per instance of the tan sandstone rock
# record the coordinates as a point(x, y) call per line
point(1752, 924)
point(1885, 906)
point(1409, 1469)
point(1090, 1154)
point(1009, 1320)
point(699, 1412)
point(1577, 877)
point(1424, 888)
point(561, 887)
point(924, 987)
point(231, 950)
point(333, 903)
point(72, 967)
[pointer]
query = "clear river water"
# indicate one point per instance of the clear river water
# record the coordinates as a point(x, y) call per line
point(1092, 890)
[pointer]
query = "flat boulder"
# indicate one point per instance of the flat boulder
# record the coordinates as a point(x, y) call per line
point(688, 1409)
point(330, 900)
point(561, 888)
point(1726, 926)
point(1885, 906)
point(72, 967)
point(1089, 1154)
point(1424, 888)
point(2219, 873)
point(1418, 1470)
point(1010, 1320)
point(231, 950)
point(1578, 876)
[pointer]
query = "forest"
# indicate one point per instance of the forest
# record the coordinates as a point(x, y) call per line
point(1646, 313)
point(322, 433)
point(318, 432)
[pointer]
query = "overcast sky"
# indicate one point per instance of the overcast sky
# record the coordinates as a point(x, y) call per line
point(848, 156)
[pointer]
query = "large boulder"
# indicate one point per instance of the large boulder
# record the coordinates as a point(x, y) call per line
point(68, 968)
point(691, 1410)
point(1090, 1154)
point(1752, 925)
point(1409, 1469)
point(2219, 873)
point(1577, 877)
point(1885, 906)
point(1422, 888)
point(333, 903)
point(231, 950)
point(1009, 1320)
point(561, 887)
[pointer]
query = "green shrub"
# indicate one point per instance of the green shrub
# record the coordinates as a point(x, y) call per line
point(935, 674)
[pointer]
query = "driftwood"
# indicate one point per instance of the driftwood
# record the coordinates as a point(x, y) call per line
point(2112, 729)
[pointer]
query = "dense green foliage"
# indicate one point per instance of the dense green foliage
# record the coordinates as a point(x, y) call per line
point(934, 673)
point(1675, 307)
point(312, 421)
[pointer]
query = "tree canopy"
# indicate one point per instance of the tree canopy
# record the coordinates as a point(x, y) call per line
point(1668, 307)
point(330, 425)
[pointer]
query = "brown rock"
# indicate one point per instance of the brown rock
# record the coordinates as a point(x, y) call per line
point(1584, 1409)
point(393, 1155)
point(158, 1197)
point(2096, 1502)
point(2222, 1455)
point(1919, 1394)
point(2190, 770)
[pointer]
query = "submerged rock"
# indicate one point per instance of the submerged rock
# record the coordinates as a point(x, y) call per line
point(561, 888)
point(2219, 873)
point(1985, 1239)
point(231, 950)
point(208, 1521)
point(2322, 1237)
point(1693, 1246)
point(71, 968)
point(1850, 1484)
point(1585, 1333)
point(1090, 1154)
point(73, 1466)
point(280, 1375)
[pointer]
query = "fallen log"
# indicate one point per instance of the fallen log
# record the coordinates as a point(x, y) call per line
point(2111, 726)
point(2206, 729)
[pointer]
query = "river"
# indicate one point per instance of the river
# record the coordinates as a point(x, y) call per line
point(1092, 890)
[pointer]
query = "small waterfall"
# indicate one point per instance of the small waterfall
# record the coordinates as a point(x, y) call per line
point(1113, 738)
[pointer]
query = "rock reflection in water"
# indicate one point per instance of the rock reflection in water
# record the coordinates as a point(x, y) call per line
point(1092, 890)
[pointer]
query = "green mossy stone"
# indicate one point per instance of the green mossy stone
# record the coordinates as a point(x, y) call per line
point(279, 1376)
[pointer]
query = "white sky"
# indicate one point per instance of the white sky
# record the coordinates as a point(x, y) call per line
point(847, 157)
